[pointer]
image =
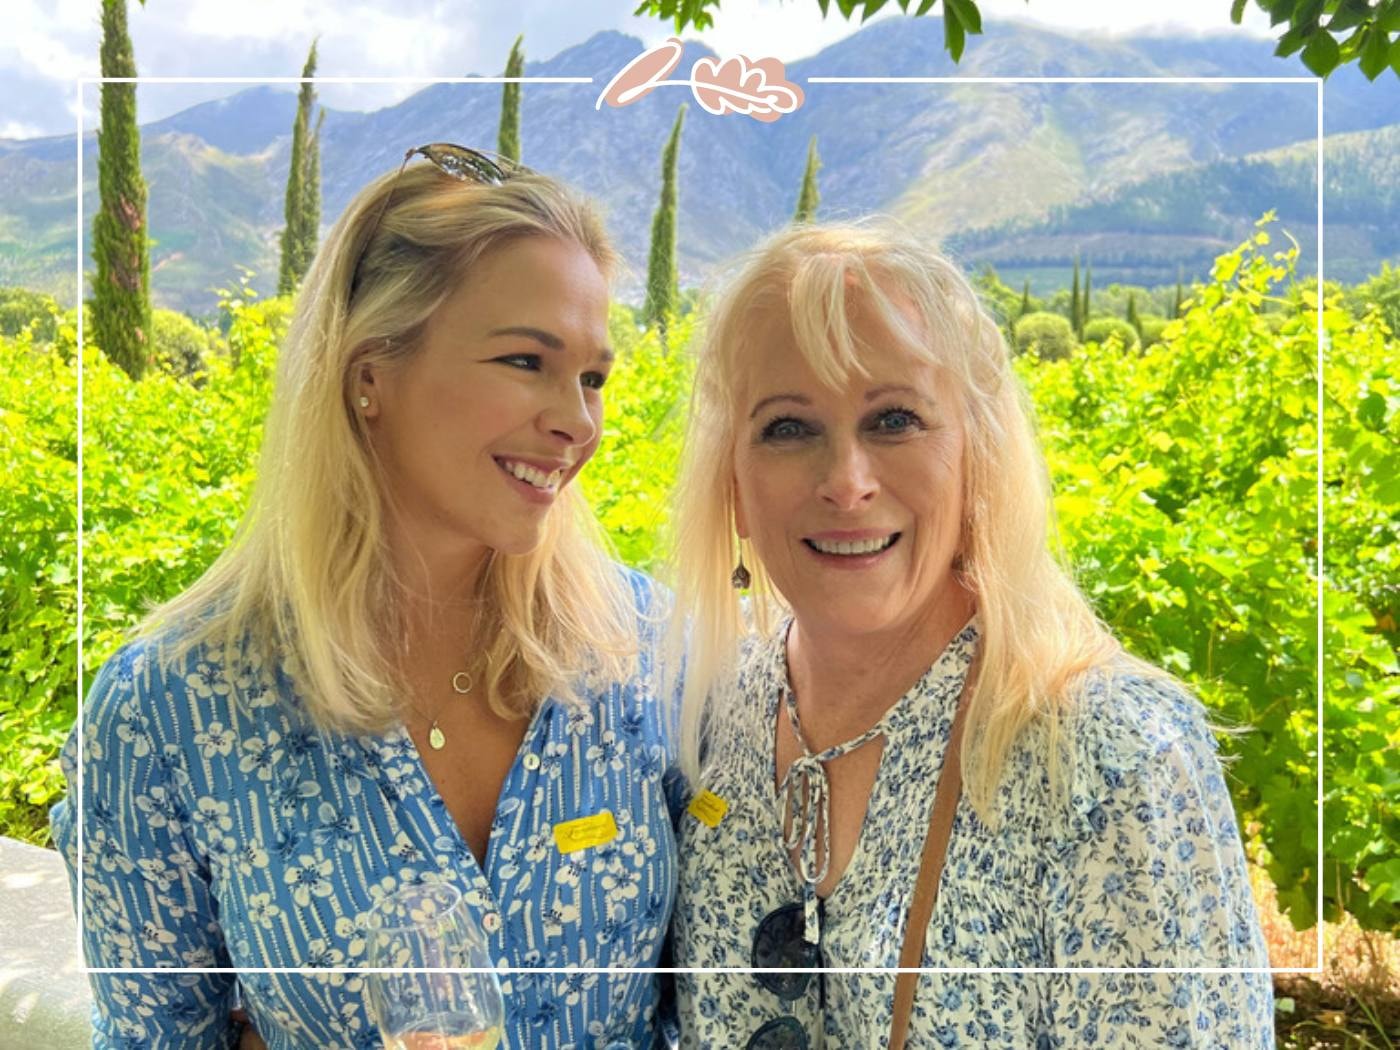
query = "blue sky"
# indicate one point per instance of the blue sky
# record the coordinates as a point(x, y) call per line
point(49, 43)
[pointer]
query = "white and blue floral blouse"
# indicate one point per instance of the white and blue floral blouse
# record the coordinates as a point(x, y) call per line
point(1140, 865)
point(222, 828)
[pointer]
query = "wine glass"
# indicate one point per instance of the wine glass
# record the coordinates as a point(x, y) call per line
point(430, 927)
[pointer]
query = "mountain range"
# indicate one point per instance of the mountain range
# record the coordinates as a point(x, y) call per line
point(1140, 179)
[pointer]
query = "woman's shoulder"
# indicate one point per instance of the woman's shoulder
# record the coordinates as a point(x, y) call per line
point(1126, 713)
point(157, 685)
point(1132, 735)
point(652, 604)
point(635, 697)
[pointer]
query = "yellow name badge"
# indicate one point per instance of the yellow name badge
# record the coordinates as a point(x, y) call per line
point(585, 832)
point(708, 808)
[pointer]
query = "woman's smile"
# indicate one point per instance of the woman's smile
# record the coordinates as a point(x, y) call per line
point(851, 549)
point(536, 480)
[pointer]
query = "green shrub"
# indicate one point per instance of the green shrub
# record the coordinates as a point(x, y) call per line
point(1153, 327)
point(1046, 335)
point(1102, 329)
point(1187, 483)
point(628, 481)
point(21, 310)
point(1381, 294)
point(166, 470)
point(38, 570)
point(181, 345)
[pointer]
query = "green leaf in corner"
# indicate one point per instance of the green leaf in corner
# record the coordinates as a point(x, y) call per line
point(1395, 56)
point(953, 36)
point(1237, 11)
point(1322, 53)
point(1279, 11)
point(1375, 54)
point(1349, 15)
point(1290, 42)
point(968, 14)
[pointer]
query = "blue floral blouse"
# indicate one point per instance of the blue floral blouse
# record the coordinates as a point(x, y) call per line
point(222, 828)
point(1139, 865)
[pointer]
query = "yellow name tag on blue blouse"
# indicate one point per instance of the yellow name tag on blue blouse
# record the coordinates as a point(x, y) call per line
point(585, 832)
point(708, 808)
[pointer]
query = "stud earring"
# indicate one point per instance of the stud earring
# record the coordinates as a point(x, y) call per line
point(364, 401)
point(739, 579)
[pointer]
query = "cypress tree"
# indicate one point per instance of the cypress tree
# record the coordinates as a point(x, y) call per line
point(312, 194)
point(1176, 303)
point(662, 283)
point(508, 137)
point(1074, 321)
point(1085, 307)
point(121, 292)
point(303, 202)
point(808, 197)
point(1025, 299)
point(1133, 318)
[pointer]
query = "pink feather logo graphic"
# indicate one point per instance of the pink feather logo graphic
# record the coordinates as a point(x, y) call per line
point(758, 89)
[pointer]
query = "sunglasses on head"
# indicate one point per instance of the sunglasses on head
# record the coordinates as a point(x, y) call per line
point(460, 162)
point(780, 948)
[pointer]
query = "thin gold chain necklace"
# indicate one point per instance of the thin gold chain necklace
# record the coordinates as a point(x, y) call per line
point(437, 740)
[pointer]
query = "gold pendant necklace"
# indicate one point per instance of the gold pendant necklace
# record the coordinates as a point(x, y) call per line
point(461, 685)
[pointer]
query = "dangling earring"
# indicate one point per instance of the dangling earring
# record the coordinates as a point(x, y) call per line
point(739, 579)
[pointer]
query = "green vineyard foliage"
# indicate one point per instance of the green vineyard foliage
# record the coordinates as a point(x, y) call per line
point(1187, 488)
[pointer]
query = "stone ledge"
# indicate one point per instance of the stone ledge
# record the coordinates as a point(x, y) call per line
point(44, 996)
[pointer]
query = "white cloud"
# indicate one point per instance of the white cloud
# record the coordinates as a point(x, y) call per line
point(55, 40)
point(269, 20)
point(270, 38)
point(15, 129)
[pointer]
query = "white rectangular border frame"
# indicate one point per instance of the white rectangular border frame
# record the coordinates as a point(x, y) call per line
point(84, 82)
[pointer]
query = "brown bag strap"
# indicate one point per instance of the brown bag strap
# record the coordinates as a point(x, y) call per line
point(940, 825)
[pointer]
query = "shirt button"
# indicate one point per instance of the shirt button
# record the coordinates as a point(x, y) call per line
point(492, 921)
point(532, 761)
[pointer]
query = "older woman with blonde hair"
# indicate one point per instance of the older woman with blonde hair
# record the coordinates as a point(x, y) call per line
point(914, 744)
point(415, 663)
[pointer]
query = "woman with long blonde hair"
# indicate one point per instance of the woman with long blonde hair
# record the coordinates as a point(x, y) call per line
point(415, 663)
point(910, 742)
